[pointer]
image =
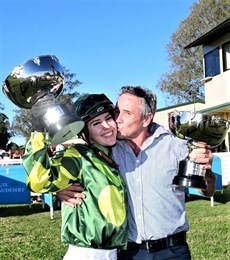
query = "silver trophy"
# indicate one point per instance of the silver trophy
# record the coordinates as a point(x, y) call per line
point(34, 79)
point(199, 127)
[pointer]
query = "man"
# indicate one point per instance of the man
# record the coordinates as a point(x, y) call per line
point(148, 157)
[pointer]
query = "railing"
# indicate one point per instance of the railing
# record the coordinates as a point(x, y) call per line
point(10, 161)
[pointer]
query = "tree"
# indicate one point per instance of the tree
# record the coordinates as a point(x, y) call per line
point(22, 125)
point(5, 135)
point(12, 146)
point(183, 82)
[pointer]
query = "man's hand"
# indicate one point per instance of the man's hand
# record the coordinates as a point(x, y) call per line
point(72, 195)
point(202, 154)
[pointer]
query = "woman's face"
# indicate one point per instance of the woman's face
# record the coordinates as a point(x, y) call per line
point(102, 130)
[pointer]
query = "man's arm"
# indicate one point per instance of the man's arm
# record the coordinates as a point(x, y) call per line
point(201, 154)
point(72, 195)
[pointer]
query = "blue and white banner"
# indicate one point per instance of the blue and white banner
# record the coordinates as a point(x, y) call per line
point(13, 185)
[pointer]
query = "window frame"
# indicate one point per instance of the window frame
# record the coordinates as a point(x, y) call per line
point(226, 56)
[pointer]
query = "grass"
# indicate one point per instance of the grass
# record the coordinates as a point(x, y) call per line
point(209, 234)
point(31, 234)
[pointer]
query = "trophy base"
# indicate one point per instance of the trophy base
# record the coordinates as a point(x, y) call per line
point(190, 181)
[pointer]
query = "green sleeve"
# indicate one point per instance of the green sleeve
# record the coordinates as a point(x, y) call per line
point(45, 174)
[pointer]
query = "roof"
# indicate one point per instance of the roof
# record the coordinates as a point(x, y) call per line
point(198, 101)
point(212, 35)
point(222, 108)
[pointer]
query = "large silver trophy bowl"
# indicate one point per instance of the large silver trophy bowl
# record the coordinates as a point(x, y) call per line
point(209, 129)
point(35, 79)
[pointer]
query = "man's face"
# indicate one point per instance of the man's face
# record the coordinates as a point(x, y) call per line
point(129, 121)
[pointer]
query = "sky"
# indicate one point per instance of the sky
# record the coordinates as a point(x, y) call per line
point(106, 43)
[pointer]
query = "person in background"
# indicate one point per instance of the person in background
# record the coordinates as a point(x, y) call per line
point(16, 155)
point(148, 156)
point(2, 153)
point(6, 158)
point(10, 153)
point(98, 228)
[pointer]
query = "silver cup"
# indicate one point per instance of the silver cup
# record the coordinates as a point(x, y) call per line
point(38, 77)
point(200, 127)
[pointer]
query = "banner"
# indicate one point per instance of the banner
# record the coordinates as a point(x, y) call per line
point(13, 185)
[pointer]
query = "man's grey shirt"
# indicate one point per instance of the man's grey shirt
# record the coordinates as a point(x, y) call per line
point(156, 208)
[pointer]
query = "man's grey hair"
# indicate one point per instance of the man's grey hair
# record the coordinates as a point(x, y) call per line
point(148, 98)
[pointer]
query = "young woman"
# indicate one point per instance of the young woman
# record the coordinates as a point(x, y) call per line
point(97, 228)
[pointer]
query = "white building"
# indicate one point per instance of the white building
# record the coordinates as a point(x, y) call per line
point(216, 63)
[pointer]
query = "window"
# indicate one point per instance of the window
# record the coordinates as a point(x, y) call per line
point(212, 63)
point(226, 56)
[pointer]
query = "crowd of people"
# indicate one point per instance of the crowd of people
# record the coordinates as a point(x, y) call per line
point(18, 153)
point(11, 154)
